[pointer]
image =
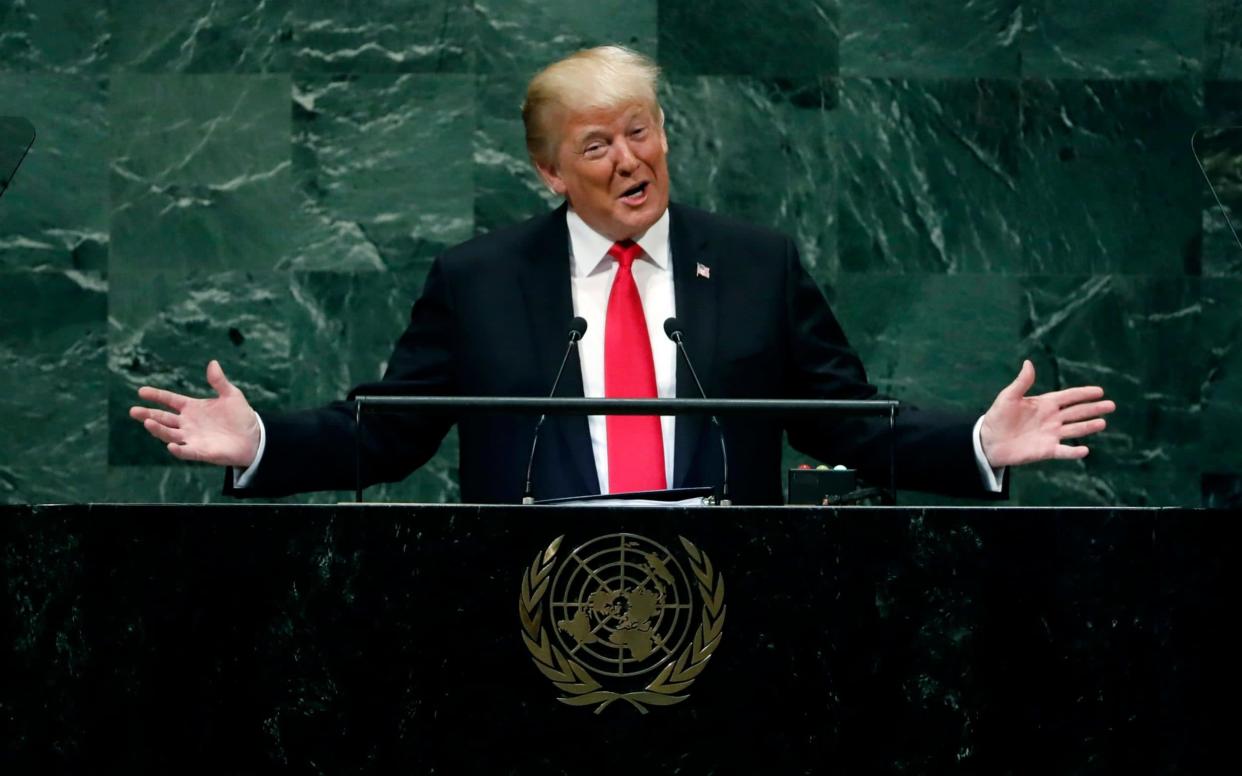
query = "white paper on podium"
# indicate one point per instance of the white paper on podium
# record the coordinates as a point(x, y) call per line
point(621, 501)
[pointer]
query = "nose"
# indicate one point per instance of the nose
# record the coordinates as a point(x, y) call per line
point(625, 159)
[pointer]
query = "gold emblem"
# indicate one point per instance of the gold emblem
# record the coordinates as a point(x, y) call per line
point(621, 607)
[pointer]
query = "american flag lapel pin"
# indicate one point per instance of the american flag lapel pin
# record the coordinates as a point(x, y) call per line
point(702, 271)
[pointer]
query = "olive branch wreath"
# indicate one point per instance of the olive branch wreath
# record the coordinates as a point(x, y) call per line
point(571, 678)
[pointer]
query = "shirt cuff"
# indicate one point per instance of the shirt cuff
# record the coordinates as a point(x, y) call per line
point(243, 480)
point(993, 479)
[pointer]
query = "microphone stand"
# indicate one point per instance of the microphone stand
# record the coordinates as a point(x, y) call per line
point(576, 329)
point(673, 330)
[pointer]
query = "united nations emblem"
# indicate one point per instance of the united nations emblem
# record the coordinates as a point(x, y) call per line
point(621, 607)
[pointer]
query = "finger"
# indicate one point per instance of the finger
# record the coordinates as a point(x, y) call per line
point(1070, 452)
point(184, 452)
point(169, 419)
point(1082, 429)
point(160, 396)
point(1022, 383)
point(1085, 411)
point(216, 379)
point(163, 433)
point(1075, 395)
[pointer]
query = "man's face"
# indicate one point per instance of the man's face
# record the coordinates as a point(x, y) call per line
point(612, 166)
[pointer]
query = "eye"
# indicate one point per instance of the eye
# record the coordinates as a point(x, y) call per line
point(595, 149)
point(638, 133)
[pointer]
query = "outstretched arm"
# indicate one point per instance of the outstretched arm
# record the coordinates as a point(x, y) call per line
point(1020, 429)
point(223, 430)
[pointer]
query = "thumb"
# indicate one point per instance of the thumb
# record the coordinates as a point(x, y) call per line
point(1022, 383)
point(216, 379)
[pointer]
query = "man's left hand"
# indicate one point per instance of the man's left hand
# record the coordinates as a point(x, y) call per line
point(1020, 429)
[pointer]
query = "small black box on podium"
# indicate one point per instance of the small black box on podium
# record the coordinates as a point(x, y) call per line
point(808, 486)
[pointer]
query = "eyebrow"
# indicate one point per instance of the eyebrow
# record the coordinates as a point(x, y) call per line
point(602, 133)
point(591, 134)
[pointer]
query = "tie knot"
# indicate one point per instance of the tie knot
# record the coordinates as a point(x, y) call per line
point(625, 252)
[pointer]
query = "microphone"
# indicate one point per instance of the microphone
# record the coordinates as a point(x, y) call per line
point(672, 330)
point(577, 327)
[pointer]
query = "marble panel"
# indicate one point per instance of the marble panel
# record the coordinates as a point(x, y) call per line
point(929, 176)
point(176, 482)
point(507, 189)
point(1118, 39)
point(1223, 57)
point(933, 340)
point(55, 212)
point(521, 36)
point(164, 331)
point(750, 37)
point(1143, 341)
point(1109, 183)
point(1222, 379)
point(937, 39)
point(201, 36)
point(1218, 148)
point(52, 386)
point(384, 36)
point(758, 150)
point(54, 36)
point(346, 324)
point(382, 165)
point(200, 172)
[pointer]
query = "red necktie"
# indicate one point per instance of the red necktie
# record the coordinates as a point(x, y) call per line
point(635, 443)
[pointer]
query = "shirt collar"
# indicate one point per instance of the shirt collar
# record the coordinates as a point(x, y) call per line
point(590, 248)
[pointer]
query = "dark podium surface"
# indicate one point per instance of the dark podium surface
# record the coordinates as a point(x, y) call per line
point(386, 638)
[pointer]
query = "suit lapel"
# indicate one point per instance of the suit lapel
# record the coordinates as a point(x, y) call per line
point(548, 296)
point(696, 311)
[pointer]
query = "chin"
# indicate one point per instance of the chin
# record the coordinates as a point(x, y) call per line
point(643, 220)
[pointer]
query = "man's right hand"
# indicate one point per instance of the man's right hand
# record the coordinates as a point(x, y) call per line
point(223, 430)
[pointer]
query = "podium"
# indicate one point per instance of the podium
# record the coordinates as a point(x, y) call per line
point(384, 638)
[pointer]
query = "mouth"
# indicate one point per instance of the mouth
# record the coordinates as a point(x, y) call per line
point(636, 194)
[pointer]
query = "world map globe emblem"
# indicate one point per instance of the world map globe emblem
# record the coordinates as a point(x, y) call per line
point(621, 605)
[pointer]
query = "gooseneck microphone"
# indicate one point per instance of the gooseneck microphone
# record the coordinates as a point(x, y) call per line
point(577, 327)
point(672, 329)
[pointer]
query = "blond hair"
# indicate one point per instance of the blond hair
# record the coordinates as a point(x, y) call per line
point(601, 77)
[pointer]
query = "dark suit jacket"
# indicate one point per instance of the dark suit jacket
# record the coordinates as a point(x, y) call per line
point(493, 320)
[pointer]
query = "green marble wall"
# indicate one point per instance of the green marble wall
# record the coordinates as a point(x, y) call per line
point(973, 183)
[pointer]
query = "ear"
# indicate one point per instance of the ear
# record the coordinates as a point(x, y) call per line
point(663, 134)
point(551, 178)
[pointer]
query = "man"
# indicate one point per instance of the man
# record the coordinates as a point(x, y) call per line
point(493, 317)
